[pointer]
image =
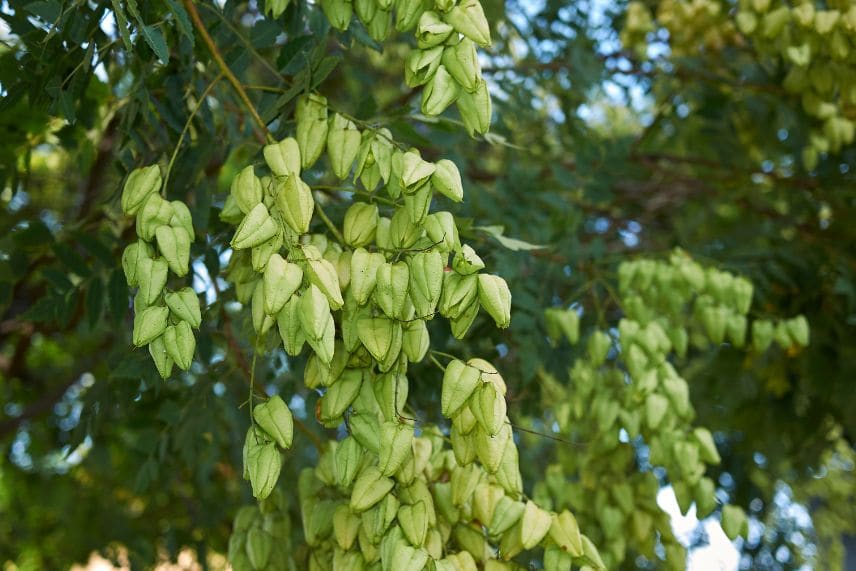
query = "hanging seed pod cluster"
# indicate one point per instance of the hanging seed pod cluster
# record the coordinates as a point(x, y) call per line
point(628, 382)
point(357, 300)
point(164, 319)
point(811, 42)
point(445, 62)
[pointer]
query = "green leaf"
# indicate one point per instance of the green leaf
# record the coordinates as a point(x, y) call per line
point(182, 20)
point(154, 37)
point(122, 24)
point(511, 243)
point(324, 68)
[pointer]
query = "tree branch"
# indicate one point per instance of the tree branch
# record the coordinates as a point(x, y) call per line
point(236, 83)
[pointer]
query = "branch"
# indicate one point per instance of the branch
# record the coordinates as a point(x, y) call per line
point(236, 84)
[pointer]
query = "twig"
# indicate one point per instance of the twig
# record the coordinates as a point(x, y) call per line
point(186, 127)
point(329, 223)
point(236, 84)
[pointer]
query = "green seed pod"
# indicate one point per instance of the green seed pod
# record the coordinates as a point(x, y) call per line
point(365, 9)
point(508, 475)
point(390, 391)
point(283, 157)
point(276, 7)
point(464, 447)
point(294, 200)
point(418, 203)
point(141, 183)
point(383, 338)
point(364, 266)
point(414, 171)
point(535, 525)
point(133, 254)
point(598, 347)
point(259, 546)
point(403, 233)
point(440, 92)
point(323, 274)
point(366, 429)
point(152, 274)
point(491, 448)
point(762, 335)
point(447, 180)
point(396, 445)
point(360, 224)
point(274, 417)
point(798, 330)
point(468, 18)
point(290, 330)
point(260, 255)
point(707, 447)
point(475, 109)
point(340, 395)
point(407, 558)
point(459, 294)
point(346, 525)
point(506, 513)
point(338, 12)
point(416, 341)
point(184, 304)
point(257, 227)
point(426, 281)
point(413, 520)
point(431, 30)
point(655, 409)
point(247, 189)
point(231, 214)
point(488, 406)
point(561, 322)
point(180, 344)
point(495, 297)
point(484, 501)
point(380, 25)
point(465, 480)
point(262, 322)
point(421, 65)
point(181, 218)
point(443, 232)
point(162, 360)
point(464, 421)
point(734, 522)
point(281, 280)
point(390, 292)
point(370, 488)
point(174, 246)
point(459, 383)
point(461, 61)
point(263, 462)
point(343, 144)
point(317, 323)
point(149, 324)
point(348, 460)
point(311, 116)
point(155, 212)
point(466, 261)
point(407, 13)
point(565, 531)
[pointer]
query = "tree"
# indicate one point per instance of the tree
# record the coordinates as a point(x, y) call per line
point(508, 269)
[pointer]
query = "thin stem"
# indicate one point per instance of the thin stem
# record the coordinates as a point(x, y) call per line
point(329, 223)
point(436, 362)
point(215, 53)
point(187, 126)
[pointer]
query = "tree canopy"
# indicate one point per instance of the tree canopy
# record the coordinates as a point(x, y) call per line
point(441, 284)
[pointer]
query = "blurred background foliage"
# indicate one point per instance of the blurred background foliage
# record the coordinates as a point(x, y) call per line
point(606, 145)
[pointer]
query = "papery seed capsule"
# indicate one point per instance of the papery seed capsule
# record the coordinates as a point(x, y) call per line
point(468, 18)
point(141, 183)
